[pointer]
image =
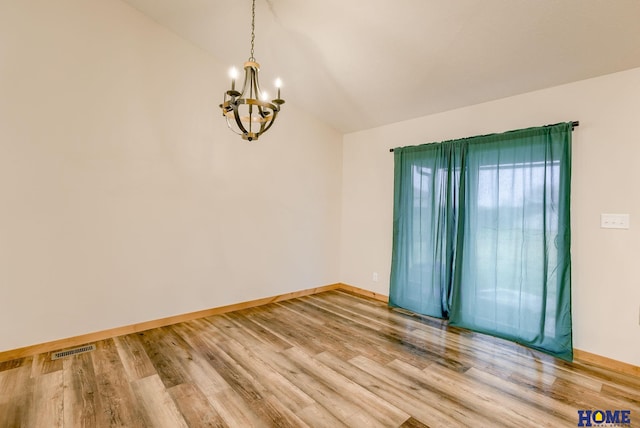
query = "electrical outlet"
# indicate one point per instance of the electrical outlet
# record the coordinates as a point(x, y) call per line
point(375, 277)
point(614, 221)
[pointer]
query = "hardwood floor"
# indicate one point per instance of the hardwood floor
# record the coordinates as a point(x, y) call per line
point(328, 360)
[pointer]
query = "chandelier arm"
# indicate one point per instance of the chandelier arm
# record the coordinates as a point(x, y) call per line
point(273, 119)
point(236, 115)
point(255, 84)
point(257, 90)
point(231, 127)
point(245, 84)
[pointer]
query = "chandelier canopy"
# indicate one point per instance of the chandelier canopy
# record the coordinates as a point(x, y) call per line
point(249, 113)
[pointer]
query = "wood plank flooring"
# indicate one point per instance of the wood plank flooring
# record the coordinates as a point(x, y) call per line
point(329, 360)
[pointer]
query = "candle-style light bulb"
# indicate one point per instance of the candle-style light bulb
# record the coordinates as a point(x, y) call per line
point(233, 73)
point(264, 96)
point(278, 85)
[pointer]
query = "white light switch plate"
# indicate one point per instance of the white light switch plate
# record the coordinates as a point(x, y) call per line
point(614, 221)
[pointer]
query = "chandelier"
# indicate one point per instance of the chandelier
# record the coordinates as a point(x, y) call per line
point(249, 113)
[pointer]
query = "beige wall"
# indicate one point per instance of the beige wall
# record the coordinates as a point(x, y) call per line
point(606, 174)
point(124, 197)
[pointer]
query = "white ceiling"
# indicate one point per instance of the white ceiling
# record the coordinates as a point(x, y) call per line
point(358, 64)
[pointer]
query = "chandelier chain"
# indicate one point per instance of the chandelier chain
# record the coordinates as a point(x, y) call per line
point(253, 28)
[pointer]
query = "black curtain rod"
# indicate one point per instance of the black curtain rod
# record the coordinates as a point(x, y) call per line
point(574, 124)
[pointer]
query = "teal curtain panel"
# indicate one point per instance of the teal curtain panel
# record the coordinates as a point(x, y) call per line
point(481, 235)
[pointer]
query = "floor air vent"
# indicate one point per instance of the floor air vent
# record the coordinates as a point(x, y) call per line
point(74, 351)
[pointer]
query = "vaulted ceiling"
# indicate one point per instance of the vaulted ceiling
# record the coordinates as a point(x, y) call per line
point(358, 64)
